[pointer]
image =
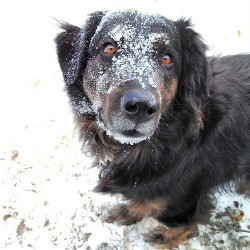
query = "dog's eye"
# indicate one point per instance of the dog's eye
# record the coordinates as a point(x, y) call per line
point(166, 60)
point(109, 49)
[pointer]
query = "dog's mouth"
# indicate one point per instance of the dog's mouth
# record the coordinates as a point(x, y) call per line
point(124, 136)
point(132, 132)
point(123, 129)
point(128, 136)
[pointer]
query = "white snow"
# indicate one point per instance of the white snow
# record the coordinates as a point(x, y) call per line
point(48, 183)
point(126, 139)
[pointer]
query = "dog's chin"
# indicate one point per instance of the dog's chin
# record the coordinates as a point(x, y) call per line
point(128, 136)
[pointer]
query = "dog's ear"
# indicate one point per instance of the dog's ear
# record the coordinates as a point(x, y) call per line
point(72, 46)
point(195, 70)
point(72, 50)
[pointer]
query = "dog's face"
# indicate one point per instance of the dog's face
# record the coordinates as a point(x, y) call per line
point(130, 77)
point(127, 66)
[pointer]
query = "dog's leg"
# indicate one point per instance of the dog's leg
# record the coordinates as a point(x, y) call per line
point(163, 237)
point(167, 238)
point(243, 186)
point(133, 212)
point(122, 215)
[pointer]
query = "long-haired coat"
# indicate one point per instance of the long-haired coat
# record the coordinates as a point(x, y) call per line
point(165, 123)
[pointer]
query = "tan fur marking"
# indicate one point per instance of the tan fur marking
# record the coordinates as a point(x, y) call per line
point(147, 208)
point(180, 234)
point(170, 92)
point(164, 238)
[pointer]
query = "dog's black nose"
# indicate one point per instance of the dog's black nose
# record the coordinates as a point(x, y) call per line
point(139, 104)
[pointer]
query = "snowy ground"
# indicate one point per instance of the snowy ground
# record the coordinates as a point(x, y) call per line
point(46, 200)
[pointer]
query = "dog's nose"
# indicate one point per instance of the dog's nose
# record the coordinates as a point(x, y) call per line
point(139, 104)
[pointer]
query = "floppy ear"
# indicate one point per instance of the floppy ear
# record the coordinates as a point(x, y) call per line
point(72, 50)
point(196, 73)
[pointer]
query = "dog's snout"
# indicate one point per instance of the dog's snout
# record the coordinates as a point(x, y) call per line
point(139, 104)
point(136, 108)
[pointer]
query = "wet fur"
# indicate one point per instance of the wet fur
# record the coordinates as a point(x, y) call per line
point(202, 140)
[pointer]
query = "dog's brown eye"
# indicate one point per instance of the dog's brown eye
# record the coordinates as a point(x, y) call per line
point(109, 49)
point(166, 60)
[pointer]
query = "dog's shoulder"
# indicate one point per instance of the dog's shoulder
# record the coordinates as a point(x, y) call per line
point(236, 64)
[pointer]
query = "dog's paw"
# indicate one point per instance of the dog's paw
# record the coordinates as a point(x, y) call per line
point(164, 238)
point(120, 214)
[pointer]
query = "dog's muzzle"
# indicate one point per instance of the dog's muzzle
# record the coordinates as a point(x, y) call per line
point(131, 113)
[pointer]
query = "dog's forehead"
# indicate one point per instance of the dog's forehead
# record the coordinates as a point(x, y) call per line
point(129, 34)
point(128, 24)
point(135, 33)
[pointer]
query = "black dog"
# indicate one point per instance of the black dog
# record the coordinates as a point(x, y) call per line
point(166, 124)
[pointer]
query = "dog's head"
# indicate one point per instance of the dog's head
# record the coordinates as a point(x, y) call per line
point(125, 69)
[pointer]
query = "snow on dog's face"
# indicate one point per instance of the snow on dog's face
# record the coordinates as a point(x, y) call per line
point(130, 77)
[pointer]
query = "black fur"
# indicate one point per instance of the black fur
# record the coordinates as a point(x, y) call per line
point(202, 139)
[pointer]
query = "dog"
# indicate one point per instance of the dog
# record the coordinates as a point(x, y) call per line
point(166, 124)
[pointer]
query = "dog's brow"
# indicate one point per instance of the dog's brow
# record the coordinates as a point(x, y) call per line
point(159, 37)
